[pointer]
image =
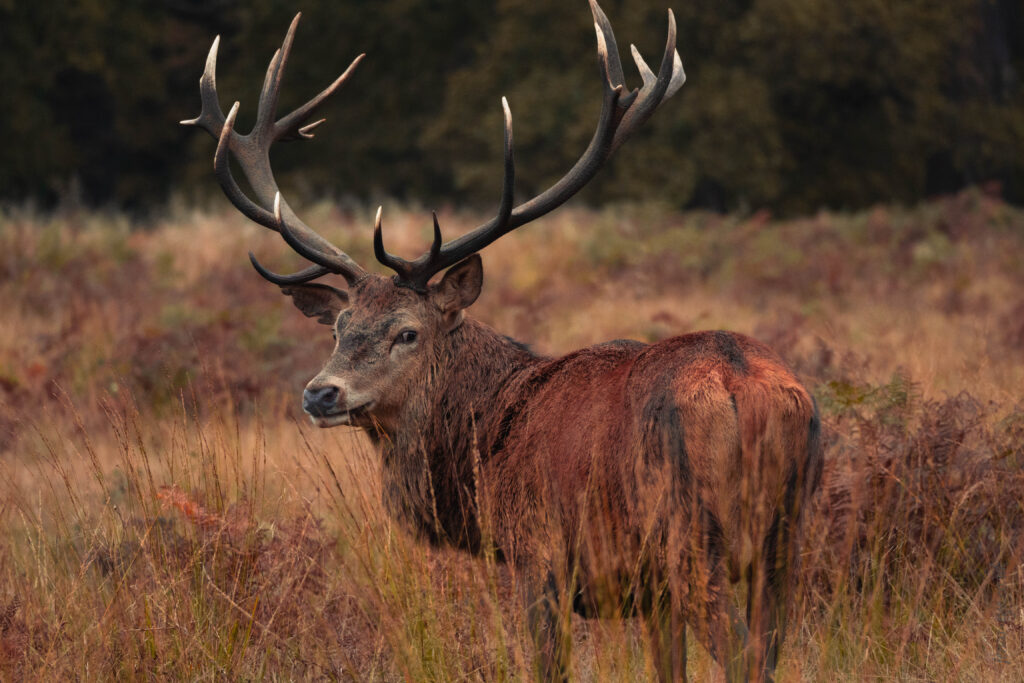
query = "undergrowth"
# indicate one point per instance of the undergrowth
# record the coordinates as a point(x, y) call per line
point(167, 512)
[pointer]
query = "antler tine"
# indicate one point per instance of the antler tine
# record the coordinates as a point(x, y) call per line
point(435, 246)
point(654, 91)
point(393, 262)
point(267, 103)
point(509, 177)
point(252, 153)
point(270, 93)
point(607, 47)
point(335, 260)
point(293, 126)
point(303, 276)
point(211, 116)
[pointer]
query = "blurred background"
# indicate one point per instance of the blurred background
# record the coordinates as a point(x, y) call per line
point(791, 105)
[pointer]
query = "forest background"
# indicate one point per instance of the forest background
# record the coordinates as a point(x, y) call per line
point(791, 105)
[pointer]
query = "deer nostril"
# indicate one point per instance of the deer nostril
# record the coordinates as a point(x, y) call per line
point(320, 401)
point(329, 395)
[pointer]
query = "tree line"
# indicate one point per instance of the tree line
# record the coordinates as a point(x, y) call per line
point(789, 104)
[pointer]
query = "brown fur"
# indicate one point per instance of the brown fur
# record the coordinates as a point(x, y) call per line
point(623, 477)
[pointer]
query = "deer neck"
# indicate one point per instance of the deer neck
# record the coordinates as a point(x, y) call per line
point(431, 454)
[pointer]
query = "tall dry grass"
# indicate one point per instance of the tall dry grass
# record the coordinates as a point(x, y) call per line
point(167, 512)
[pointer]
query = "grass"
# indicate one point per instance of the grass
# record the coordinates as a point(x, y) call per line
point(167, 512)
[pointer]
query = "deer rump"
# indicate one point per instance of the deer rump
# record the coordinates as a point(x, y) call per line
point(628, 471)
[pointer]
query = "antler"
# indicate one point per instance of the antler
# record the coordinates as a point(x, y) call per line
point(252, 152)
point(621, 114)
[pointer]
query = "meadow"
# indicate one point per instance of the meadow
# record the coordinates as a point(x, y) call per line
point(167, 512)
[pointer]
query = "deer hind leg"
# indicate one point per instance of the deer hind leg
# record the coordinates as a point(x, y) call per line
point(772, 575)
point(666, 631)
point(715, 618)
point(768, 589)
point(550, 627)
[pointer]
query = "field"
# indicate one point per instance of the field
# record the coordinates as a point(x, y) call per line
point(167, 512)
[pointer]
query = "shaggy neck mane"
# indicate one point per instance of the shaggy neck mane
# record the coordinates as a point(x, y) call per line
point(431, 456)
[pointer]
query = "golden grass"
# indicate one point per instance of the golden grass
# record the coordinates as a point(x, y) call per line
point(167, 512)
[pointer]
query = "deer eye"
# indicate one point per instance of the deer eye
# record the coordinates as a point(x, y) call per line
point(406, 337)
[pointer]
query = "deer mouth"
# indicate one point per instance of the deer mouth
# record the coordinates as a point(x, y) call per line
point(350, 416)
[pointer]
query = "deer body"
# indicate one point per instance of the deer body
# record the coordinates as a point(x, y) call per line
point(612, 477)
point(622, 478)
point(658, 470)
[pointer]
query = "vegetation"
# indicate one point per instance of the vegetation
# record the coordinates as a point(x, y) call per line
point(791, 104)
point(166, 510)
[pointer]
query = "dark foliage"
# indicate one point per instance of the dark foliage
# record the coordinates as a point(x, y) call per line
point(791, 104)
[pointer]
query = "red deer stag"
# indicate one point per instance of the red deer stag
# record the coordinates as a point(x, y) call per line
point(623, 478)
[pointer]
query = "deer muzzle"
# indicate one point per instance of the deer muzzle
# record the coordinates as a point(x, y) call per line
point(329, 405)
point(321, 401)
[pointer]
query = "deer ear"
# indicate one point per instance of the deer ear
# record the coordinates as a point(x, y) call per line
point(459, 288)
point(322, 302)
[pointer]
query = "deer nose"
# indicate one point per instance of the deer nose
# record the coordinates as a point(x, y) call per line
point(320, 401)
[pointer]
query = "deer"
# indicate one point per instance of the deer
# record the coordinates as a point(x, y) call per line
point(621, 479)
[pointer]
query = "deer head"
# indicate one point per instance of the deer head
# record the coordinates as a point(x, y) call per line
point(391, 333)
point(387, 340)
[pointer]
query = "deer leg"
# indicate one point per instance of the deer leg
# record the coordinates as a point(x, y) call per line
point(716, 621)
point(724, 630)
point(739, 634)
point(766, 601)
point(549, 628)
point(666, 629)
